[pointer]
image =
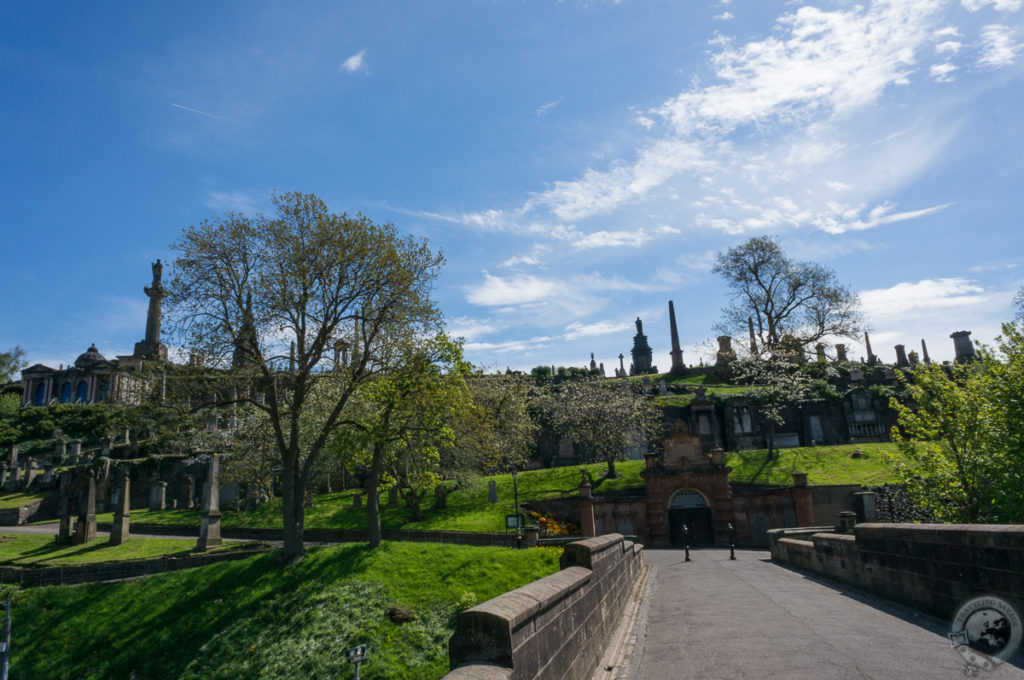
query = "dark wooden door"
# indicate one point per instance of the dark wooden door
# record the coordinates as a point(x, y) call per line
point(702, 533)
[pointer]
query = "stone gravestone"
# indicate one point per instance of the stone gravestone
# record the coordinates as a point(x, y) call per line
point(209, 530)
point(122, 512)
point(393, 497)
point(48, 473)
point(492, 492)
point(187, 499)
point(357, 500)
point(158, 496)
point(30, 474)
point(12, 483)
point(662, 388)
point(86, 529)
point(3, 475)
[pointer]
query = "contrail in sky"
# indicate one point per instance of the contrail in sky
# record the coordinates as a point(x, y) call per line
point(201, 113)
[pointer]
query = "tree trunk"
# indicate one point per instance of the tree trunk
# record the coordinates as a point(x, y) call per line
point(771, 440)
point(373, 498)
point(292, 498)
point(612, 474)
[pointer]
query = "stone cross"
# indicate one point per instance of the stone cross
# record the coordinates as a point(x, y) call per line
point(209, 530)
point(86, 529)
point(119, 530)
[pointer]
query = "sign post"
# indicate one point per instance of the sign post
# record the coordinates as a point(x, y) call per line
point(357, 655)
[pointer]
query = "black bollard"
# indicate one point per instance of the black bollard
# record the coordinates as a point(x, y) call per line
point(686, 541)
point(732, 542)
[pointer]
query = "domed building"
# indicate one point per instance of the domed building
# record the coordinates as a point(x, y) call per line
point(92, 378)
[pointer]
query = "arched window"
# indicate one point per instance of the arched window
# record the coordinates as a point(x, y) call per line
point(65, 393)
point(82, 393)
point(687, 499)
point(40, 398)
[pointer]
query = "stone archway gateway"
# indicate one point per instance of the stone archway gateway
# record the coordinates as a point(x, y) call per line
point(689, 508)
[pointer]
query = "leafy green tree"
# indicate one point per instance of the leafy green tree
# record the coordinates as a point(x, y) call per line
point(605, 417)
point(397, 423)
point(11, 364)
point(299, 310)
point(781, 296)
point(961, 435)
point(497, 431)
point(779, 380)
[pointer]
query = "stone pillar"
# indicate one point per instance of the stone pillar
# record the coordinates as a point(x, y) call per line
point(67, 521)
point(3, 475)
point(187, 495)
point(588, 526)
point(158, 496)
point(678, 367)
point(841, 352)
point(531, 534)
point(209, 530)
point(914, 359)
point(492, 492)
point(867, 344)
point(901, 357)
point(924, 353)
point(963, 346)
point(86, 529)
point(865, 504)
point(15, 478)
point(845, 521)
point(122, 512)
point(48, 473)
point(76, 451)
point(819, 351)
point(802, 500)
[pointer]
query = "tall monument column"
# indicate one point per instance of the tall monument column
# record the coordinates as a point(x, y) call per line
point(677, 354)
point(151, 347)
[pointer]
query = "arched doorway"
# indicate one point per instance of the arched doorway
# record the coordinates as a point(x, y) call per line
point(689, 508)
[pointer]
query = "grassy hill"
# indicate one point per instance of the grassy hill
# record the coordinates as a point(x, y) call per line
point(256, 619)
point(468, 509)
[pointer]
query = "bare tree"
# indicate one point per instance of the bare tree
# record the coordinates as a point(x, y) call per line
point(297, 311)
point(782, 297)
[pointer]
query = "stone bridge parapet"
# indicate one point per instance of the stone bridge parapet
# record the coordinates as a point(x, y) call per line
point(554, 628)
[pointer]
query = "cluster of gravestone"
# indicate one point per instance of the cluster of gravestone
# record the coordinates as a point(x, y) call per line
point(83, 479)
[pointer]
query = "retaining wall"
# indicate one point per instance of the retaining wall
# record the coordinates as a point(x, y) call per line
point(932, 567)
point(554, 628)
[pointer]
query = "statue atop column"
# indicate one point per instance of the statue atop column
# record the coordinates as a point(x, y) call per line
point(642, 354)
point(151, 347)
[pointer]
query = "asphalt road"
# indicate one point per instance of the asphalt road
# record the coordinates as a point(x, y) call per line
point(713, 618)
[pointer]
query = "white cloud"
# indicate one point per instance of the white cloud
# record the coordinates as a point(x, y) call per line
point(518, 260)
point(845, 218)
point(544, 108)
point(513, 290)
point(993, 267)
point(999, 46)
point(577, 330)
point(948, 47)
point(929, 295)
point(724, 16)
point(1000, 5)
point(355, 63)
point(470, 329)
point(245, 201)
point(941, 72)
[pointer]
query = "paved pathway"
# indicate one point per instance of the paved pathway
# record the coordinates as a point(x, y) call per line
point(713, 618)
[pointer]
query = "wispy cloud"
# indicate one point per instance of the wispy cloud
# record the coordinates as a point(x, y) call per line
point(544, 108)
point(999, 46)
point(355, 63)
point(1000, 5)
point(993, 267)
point(201, 113)
point(245, 201)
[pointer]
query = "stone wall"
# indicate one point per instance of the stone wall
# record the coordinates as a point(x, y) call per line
point(932, 567)
point(554, 628)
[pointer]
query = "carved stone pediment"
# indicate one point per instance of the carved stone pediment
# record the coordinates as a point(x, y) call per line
point(683, 448)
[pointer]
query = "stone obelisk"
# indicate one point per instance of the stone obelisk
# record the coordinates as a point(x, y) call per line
point(678, 367)
point(209, 530)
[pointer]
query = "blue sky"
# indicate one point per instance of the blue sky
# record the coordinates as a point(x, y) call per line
point(579, 163)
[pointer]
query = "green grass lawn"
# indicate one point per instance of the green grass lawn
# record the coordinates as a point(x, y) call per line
point(254, 618)
point(18, 499)
point(823, 465)
point(468, 509)
point(34, 550)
